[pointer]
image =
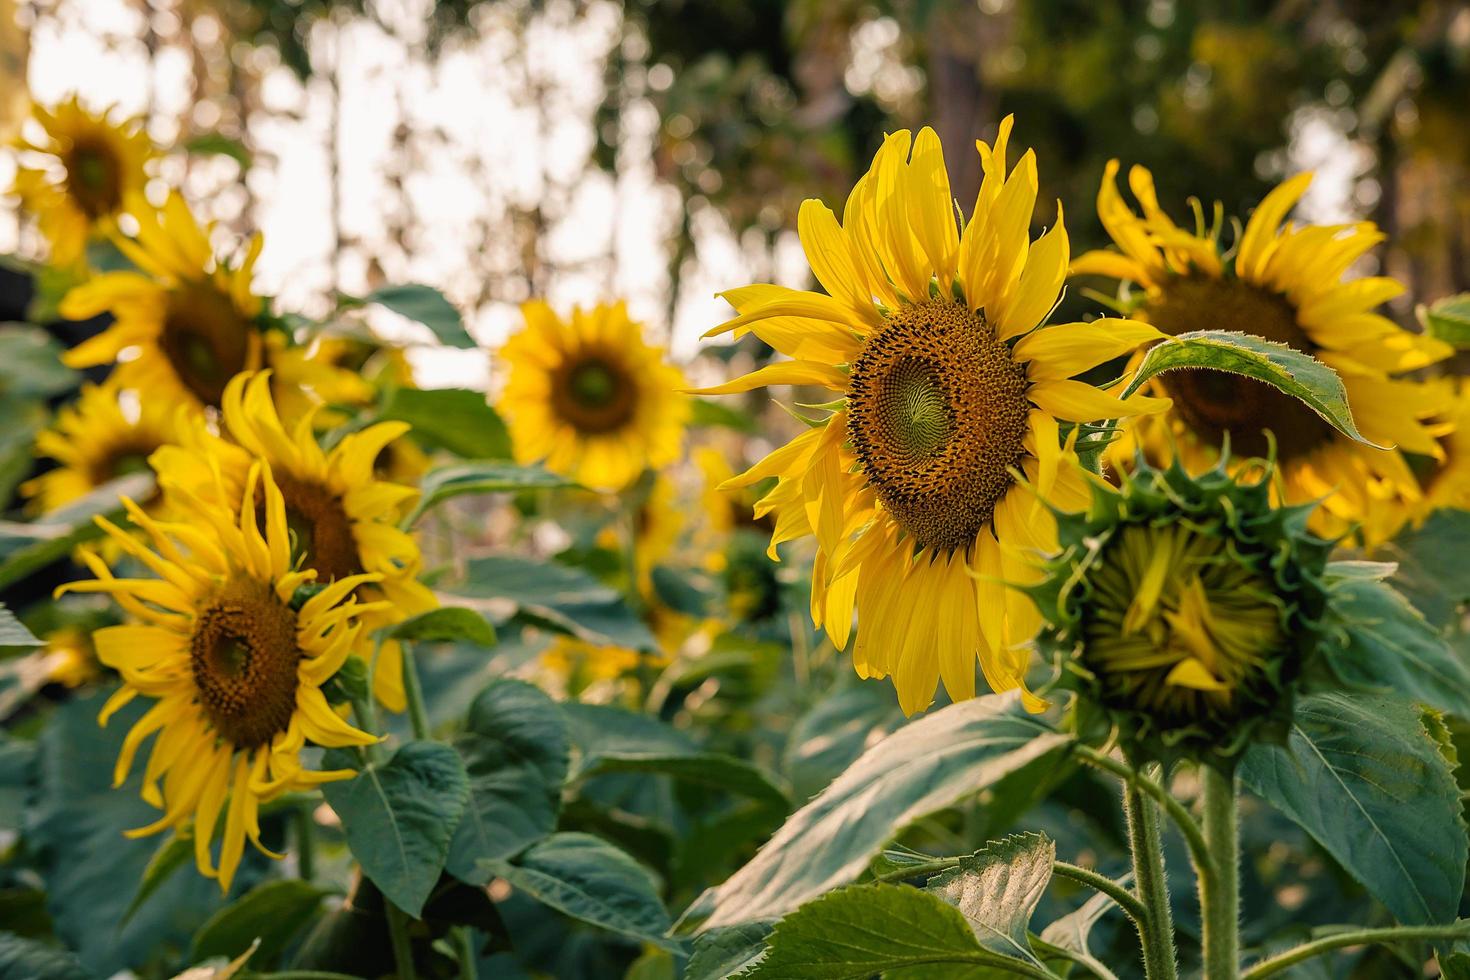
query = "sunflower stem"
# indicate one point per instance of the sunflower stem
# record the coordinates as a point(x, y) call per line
point(464, 948)
point(1156, 928)
point(418, 715)
point(1353, 937)
point(402, 945)
point(1219, 894)
point(305, 828)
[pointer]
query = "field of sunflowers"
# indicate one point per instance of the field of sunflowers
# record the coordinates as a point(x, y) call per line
point(981, 600)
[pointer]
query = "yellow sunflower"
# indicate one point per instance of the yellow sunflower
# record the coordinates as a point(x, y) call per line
point(1444, 487)
point(105, 434)
point(343, 520)
point(1283, 283)
point(589, 398)
point(947, 389)
point(85, 170)
point(233, 670)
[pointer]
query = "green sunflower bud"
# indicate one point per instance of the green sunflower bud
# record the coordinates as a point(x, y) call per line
point(1186, 609)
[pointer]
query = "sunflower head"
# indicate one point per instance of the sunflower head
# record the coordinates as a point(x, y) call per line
point(590, 398)
point(1186, 609)
point(1287, 283)
point(233, 664)
point(84, 169)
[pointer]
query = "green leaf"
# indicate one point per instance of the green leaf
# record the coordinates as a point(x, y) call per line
point(613, 740)
point(561, 598)
point(220, 145)
point(29, 959)
point(426, 305)
point(923, 767)
point(589, 879)
point(1072, 931)
point(862, 931)
point(446, 624)
point(1448, 319)
point(997, 889)
point(445, 482)
point(1381, 642)
point(30, 363)
point(722, 953)
point(1361, 776)
point(709, 413)
point(273, 912)
point(1432, 570)
point(515, 750)
point(175, 852)
point(30, 547)
point(1299, 375)
point(456, 419)
point(399, 818)
point(13, 632)
point(831, 736)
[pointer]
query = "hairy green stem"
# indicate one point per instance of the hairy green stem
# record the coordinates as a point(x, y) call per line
point(305, 828)
point(1219, 894)
point(1190, 829)
point(1156, 928)
point(1125, 899)
point(402, 945)
point(418, 715)
point(1353, 937)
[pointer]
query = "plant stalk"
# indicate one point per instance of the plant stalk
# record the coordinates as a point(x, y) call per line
point(413, 691)
point(464, 948)
point(402, 945)
point(305, 843)
point(1156, 928)
point(1181, 817)
point(1219, 894)
point(1353, 937)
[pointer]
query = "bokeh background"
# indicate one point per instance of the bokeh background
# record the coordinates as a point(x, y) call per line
point(658, 149)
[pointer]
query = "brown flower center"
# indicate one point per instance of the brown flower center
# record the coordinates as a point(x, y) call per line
point(321, 531)
point(1213, 403)
point(244, 656)
point(121, 460)
point(937, 413)
point(93, 178)
point(594, 393)
point(206, 340)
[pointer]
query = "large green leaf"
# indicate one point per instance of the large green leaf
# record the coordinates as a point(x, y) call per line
point(274, 912)
point(1379, 641)
point(426, 305)
point(400, 816)
point(861, 931)
point(1361, 776)
point(831, 736)
point(1448, 319)
point(613, 740)
point(722, 953)
point(1432, 569)
point(13, 632)
point(565, 599)
point(29, 959)
point(591, 880)
point(446, 624)
point(515, 750)
point(493, 476)
point(30, 363)
point(925, 766)
point(456, 419)
point(997, 889)
point(1289, 370)
point(28, 548)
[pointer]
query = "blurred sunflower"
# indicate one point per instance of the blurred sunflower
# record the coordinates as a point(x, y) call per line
point(589, 398)
point(234, 670)
point(948, 389)
point(105, 434)
point(1285, 284)
point(1445, 485)
point(578, 664)
point(90, 167)
point(343, 520)
point(69, 657)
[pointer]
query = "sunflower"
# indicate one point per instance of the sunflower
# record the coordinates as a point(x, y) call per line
point(86, 169)
point(1445, 486)
point(1285, 284)
point(234, 669)
point(343, 520)
point(949, 398)
point(106, 434)
point(590, 398)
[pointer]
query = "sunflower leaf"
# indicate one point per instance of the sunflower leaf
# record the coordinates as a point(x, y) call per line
point(273, 912)
point(923, 767)
point(1448, 319)
point(456, 419)
point(426, 305)
point(492, 476)
point(24, 958)
point(997, 889)
point(1365, 779)
point(13, 632)
point(1290, 371)
point(445, 624)
point(28, 548)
